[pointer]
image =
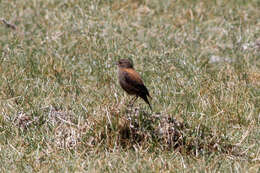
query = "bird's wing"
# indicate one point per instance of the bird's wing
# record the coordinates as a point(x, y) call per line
point(133, 79)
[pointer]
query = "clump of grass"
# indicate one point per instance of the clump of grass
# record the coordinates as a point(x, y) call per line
point(128, 130)
point(161, 132)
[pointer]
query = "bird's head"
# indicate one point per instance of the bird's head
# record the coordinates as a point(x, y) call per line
point(125, 63)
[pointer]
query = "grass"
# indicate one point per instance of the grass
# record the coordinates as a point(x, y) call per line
point(61, 108)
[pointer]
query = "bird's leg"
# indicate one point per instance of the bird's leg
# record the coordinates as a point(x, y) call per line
point(131, 103)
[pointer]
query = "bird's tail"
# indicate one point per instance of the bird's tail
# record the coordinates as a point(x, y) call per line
point(147, 101)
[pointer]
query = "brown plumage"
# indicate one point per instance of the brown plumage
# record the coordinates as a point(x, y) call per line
point(131, 81)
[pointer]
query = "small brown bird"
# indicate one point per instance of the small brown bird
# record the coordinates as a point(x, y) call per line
point(131, 81)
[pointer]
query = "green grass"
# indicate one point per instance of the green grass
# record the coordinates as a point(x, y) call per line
point(62, 109)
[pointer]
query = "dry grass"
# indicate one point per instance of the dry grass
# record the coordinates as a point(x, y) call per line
point(61, 108)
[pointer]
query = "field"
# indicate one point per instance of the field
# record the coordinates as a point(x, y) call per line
point(62, 109)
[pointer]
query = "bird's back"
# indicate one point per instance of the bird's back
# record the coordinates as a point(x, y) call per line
point(131, 82)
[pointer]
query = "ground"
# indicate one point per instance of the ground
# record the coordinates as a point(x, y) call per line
point(62, 109)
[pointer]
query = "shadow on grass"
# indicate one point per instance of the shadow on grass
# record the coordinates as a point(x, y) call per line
point(130, 129)
point(136, 128)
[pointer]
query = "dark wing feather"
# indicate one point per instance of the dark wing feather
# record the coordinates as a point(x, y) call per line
point(133, 79)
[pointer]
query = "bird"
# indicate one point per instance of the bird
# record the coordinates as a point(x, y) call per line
point(131, 81)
